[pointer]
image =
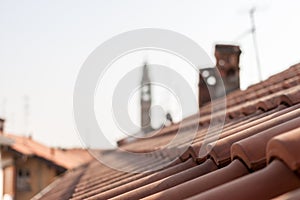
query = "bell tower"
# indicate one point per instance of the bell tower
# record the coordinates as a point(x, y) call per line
point(145, 100)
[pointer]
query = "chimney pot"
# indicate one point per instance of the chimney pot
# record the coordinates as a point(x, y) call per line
point(2, 122)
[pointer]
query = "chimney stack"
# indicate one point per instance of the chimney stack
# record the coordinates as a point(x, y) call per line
point(227, 63)
point(2, 121)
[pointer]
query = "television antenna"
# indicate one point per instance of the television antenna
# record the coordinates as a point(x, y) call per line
point(252, 31)
point(26, 113)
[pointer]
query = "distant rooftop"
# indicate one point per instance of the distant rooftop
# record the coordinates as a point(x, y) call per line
point(66, 158)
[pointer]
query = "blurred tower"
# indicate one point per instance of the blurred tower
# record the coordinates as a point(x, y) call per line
point(146, 100)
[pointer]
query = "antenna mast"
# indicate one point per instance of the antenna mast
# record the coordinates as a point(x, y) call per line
point(26, 114)
point(3, 114)
point(253, 31)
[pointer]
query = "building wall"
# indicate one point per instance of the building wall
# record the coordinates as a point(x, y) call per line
point(1, 182)
point(25, 176)
point(8, 171)
point(40, 175)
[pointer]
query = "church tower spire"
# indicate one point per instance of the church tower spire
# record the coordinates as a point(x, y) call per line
point(146, 100)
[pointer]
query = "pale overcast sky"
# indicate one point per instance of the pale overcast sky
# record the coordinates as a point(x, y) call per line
point(44, 43)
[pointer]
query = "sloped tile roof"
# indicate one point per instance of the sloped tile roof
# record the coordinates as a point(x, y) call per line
point(66, 158)
point(293, 195)
point(256, 156)
point(269, 182)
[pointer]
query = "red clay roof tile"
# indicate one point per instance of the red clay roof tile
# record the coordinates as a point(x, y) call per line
point(170, 181)
point(129, 184)
point(221, 150)
point(252, 150)
point(266, 183)
point(203, 183)
point(293, 195)
point(286, 148)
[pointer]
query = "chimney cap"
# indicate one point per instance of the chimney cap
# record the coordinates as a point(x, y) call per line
point(226, 48)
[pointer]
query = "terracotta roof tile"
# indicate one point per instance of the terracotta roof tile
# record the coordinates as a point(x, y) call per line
point(203, 183)
point(286, 148)
point(252, 150)
point(103, 184)
point(124, 185)
point(170, 181)
point(221, 150)
point(293, 195)
point(266, 183)
point(230, 129)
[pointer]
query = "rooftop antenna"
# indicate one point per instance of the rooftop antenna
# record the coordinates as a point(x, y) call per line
point(3, 112)
point(253, 31)
point(26, 114)
point(12, 121)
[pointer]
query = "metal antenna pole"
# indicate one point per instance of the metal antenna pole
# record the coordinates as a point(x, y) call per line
point(3, 108)
point(26, 114)
point(253, 31)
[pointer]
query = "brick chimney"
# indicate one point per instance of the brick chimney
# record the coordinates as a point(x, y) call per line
point(2, 121)
point(227, 62)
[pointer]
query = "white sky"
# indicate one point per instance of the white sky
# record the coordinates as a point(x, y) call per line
point(44, 43)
